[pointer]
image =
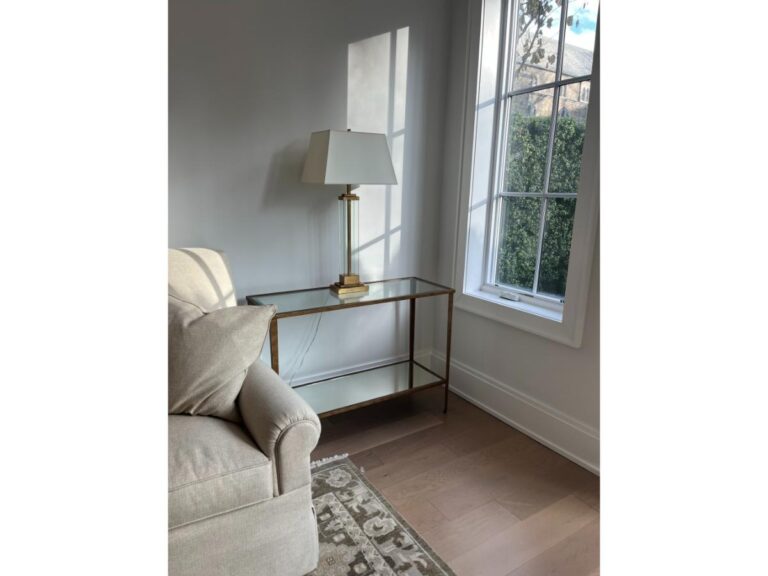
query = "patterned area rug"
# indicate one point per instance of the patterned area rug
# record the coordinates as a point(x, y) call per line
point(360, 533)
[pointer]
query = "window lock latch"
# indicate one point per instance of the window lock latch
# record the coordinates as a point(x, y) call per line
point(510, 296)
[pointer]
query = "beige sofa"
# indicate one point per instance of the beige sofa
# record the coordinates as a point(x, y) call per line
point(239, 497)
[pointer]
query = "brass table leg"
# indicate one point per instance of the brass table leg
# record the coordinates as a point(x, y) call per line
point(412, 332)
point(448, 349)
point(273, 345)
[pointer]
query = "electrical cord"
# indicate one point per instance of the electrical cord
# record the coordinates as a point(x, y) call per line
point(306, 350)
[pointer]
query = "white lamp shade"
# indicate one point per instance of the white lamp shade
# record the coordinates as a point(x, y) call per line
point(342, 157)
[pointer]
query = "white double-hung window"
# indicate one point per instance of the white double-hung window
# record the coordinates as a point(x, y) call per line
point(529, 210)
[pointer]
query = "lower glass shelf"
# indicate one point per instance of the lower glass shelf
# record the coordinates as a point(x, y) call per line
point(335, 395)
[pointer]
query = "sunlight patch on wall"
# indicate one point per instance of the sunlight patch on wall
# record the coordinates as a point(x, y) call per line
point(377, 80)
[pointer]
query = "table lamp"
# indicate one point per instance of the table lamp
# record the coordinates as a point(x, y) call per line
point(348, 158)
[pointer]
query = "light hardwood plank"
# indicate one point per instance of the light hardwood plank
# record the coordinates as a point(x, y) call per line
point(366, 461)
point(453, 538)
point(463, 420)
point(420, 461)
point(490, 461)
point(486, 482)
point(540, 478)
point(420, 514)
point(460, 499)
point(587, 486)
point(525, 540)
point(577, 555)
point(397, 449)
point(479, 434)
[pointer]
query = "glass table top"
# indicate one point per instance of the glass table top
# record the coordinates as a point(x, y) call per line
point(317, 299)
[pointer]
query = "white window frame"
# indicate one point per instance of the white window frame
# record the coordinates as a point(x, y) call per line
point(550, 318)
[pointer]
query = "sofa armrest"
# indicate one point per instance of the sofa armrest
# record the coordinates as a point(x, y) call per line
point(282, 424)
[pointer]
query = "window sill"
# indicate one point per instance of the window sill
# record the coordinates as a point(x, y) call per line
point(526, 307)
point(528, 317)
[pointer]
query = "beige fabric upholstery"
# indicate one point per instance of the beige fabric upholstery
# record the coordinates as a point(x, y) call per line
point(240, 500)
point(213, 467)
point(275, 538)
point(282, 423)
point(200, 276)
point(209, 354)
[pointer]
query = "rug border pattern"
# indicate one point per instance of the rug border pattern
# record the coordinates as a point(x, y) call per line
point(344, 459)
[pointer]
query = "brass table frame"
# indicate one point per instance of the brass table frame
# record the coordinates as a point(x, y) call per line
point(342, 305)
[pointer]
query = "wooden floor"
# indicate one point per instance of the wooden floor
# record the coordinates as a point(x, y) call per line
point(490, 500)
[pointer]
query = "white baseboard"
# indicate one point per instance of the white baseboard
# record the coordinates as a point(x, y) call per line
point(575, 440)
point(422, 356)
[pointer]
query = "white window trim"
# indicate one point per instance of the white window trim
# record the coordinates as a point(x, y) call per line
point(528, 314)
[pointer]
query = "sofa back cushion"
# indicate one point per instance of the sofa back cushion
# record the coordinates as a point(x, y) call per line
point(209, 355)
point(200, 276)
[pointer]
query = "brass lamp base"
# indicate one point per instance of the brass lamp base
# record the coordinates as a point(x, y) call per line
point(349, 284)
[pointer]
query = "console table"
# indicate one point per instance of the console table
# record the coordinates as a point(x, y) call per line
point(357, 389)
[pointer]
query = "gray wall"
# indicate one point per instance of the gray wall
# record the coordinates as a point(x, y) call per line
point(249, 81)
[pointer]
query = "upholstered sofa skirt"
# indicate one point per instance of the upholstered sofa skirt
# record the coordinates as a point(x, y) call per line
point(277, 536)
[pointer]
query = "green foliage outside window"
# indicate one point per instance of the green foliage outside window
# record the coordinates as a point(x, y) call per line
point(522, 216)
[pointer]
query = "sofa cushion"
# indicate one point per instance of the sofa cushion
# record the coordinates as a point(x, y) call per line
point(209, 355)
point(213, 467)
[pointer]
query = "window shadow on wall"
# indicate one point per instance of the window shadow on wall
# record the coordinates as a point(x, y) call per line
point(377, 77)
